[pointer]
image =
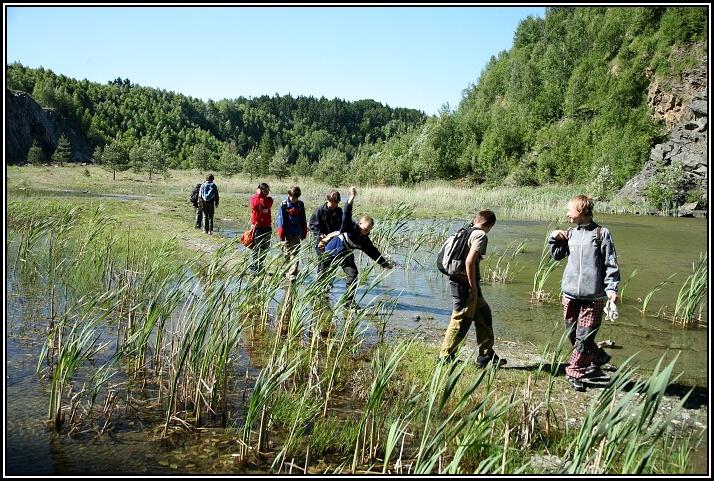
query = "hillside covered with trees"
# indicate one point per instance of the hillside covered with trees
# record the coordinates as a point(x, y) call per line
point(569, 98)
point(189, 132)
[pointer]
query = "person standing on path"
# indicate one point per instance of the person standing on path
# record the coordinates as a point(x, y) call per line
point(208, 201)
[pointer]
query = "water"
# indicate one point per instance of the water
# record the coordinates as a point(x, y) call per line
point(655, 246)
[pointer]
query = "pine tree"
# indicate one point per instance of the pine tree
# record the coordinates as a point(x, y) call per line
point(35, 155)
point(279, 163)
point(115, 157)
point(63, 150)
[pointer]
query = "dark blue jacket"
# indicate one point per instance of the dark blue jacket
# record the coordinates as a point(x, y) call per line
point(351, 238)
point(291, 219)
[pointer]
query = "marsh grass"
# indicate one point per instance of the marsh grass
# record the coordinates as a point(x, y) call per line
point(180, 329)
point(649, 295)
point(692, 294)
point(546, 266)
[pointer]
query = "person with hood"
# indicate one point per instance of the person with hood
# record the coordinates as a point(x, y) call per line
point(208, 201)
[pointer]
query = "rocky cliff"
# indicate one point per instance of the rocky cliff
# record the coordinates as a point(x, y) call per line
point(681, 105)
point(26, 120)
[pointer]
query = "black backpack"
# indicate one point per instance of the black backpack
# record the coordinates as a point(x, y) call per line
point(451, 258)
point(194, 195)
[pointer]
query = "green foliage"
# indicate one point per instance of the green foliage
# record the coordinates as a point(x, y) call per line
point(201, 158)
point(568, 99)
point(667, 189)
point(302, 167)
point(115, 157)
point(63, 150)
point(35, 155)
point(279, 163)
point(603, 183)
point(230, 162)
point(307, 125)
point(332, 167)
point(147, 156)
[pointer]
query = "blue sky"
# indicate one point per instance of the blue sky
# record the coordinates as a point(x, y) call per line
point(418, 57)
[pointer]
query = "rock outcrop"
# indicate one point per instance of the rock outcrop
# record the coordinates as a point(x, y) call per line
point(682, 106)
point(26, 120)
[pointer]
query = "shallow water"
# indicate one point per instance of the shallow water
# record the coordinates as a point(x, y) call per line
point(655, 246)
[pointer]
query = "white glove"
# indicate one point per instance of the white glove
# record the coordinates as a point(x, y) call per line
point(611, 311)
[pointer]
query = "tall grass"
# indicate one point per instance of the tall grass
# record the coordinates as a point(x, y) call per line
point(546, 266)
point(180, 330)
point(692, 294)
point(621, 429)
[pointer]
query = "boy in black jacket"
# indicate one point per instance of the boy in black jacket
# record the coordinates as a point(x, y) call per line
point(353, 236)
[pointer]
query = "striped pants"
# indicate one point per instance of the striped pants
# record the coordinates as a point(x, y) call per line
point(582, 320)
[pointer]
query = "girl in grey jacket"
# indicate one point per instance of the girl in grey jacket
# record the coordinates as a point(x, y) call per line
point(591, 277)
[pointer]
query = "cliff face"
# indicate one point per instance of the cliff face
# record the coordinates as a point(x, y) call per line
point(26, 120)
point(683, 108)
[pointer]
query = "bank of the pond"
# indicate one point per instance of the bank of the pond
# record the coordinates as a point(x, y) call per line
point(435, 199)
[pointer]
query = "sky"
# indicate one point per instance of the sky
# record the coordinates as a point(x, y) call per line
point(418, 57)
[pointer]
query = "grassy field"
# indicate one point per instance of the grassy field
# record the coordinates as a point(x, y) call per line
point(433, 199)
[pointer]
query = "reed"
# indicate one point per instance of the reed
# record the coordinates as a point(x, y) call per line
point(692, 294)
point(625, 284)
point(621, 429)
point(649, 295)
point(384, 368)
point(546, 266)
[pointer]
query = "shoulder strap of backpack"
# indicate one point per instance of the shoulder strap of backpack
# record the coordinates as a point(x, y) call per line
point(598, 236)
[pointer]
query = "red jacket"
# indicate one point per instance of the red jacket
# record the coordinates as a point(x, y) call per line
point(260, 210)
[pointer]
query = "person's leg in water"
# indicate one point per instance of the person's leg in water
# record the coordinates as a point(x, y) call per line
point(260, 248)
point(350, 268)
point(291, 248)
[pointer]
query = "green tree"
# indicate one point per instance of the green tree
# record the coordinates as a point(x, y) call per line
point(63, 150)
point(201, 158)
point(332, 167)
point(147, 156)
point(230, 162)
point(97, 154)
point(302, 167)
point(35, 155)
point(115, 157)
point(251, 166)
point(279, 166)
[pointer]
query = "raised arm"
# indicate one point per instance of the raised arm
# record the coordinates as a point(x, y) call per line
point(347, 222)
point(558, 240)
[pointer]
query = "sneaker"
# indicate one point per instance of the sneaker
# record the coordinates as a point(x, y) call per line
point(608, 367)
point(482, 361)
point(576, 384)
point(594, 372)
